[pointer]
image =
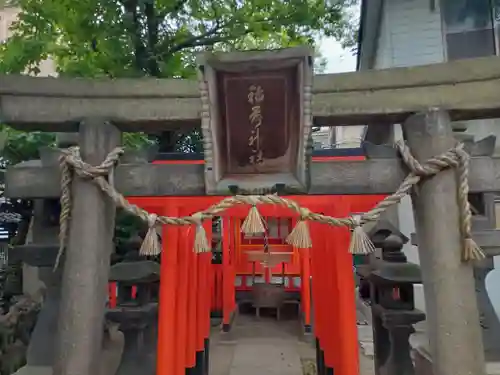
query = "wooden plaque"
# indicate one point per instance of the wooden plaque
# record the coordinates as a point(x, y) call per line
point(261, 120)
point(256, 119)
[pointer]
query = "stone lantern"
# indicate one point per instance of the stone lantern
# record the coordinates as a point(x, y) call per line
point(393, 309)
point(393, 281)
point(136, 315)
point(378, 233)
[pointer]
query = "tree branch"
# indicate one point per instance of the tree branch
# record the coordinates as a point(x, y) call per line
point(141, 53)
point(210, 37)
point(206, 41)
point(152, 29)
point(197, 40)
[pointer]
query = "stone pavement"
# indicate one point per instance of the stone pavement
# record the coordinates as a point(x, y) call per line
point(266, 356)
point(266, 346)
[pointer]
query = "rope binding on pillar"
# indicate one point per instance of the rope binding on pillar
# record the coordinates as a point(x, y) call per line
point(72, 165)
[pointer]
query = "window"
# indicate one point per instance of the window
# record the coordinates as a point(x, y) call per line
point(468, 28)
point(496, 22)
point(477, 204)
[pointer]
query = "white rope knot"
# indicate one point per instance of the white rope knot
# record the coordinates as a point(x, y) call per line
point(360, 242)
point(201, 244)
point(152, 220)
point(151, 245)
point(300, 236)
point(72, 157)
point(449, 159)
point(197, 218)
point(355, 221)
point(304, 213)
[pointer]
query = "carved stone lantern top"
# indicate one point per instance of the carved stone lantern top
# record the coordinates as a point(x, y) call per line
point(397, 273)
point(380, 230)
point(144, 271)
point(394, 269)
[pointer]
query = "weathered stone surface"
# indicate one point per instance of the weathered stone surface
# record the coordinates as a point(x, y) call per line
point(112, 351)
point(86, 268)
point(375, 176)
point(483, 147)
point(468, 88)
point(449, 287)
point(41, 347)
point(488, 240)
point(423, 359)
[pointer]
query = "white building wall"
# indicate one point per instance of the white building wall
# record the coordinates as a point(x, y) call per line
point(7, 17)
point(348, 136)
point(410, 35)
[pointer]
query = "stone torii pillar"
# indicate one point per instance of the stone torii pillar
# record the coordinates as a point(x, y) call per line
point(452, 313)
point(86, 267)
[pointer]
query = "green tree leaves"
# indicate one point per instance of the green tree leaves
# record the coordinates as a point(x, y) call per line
point(130, 38)
point(159, 38)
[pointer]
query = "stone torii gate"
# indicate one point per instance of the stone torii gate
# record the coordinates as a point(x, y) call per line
point(424, 99)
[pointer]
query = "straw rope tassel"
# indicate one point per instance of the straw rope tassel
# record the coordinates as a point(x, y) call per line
point(360, 242)
point(300, 237)
point(253, 224)
point(471, 251)
point(151, 245)
point(201, 244)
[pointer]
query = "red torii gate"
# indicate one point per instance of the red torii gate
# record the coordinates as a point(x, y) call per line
point(186, 286)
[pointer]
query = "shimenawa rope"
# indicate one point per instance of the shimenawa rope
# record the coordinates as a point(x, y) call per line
point(71, 164)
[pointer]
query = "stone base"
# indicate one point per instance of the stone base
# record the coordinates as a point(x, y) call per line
point(420, 354)
point(112, 351)
point(423, 361)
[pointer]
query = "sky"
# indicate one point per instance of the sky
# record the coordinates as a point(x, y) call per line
point(338, 59)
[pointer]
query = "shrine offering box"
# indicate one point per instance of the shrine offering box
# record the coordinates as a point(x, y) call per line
point(256, 119)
